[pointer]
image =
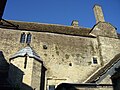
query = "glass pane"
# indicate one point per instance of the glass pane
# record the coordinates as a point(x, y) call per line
point(28, 38)
point(51, 87)
point(22, 39)
point(95, 60)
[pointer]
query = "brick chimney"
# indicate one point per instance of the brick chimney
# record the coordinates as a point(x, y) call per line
point(98, 13)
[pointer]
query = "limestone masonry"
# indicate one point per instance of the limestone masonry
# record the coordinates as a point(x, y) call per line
point(37, 56)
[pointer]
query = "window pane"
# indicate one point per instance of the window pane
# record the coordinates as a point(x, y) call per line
point(95, 60)
point(51, 87)
point(28, 38)
point(22, 39)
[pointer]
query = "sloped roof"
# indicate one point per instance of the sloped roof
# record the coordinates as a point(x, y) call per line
point(79, 86)
point(106, 69)
point(51, 28)
point(27, 50)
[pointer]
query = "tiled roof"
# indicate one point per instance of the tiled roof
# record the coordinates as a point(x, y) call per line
point(104, 69)
point(27, 50)
point(51, 28)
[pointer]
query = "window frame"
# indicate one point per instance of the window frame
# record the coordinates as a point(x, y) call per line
point(23, 38)
point(28, 38)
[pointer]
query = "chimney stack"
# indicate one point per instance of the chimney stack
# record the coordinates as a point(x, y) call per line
point(98, 13)
point(75, 23)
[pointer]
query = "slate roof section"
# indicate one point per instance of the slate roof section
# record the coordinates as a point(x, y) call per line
point(27, 50)
point(104, 69)
point(110, 71)
point(51, 28)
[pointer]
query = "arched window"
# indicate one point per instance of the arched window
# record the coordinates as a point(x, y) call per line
point(28, 40)
point(22, 39)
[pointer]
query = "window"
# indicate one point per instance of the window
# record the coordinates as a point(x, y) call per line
point(28, 40)
point(25, 38)
point(51, 87)
point(95, 60)
point(22, 39)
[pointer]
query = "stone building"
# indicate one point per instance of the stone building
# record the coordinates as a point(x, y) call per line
point(37, 56)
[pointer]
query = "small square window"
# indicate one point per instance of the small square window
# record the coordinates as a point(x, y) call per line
point(95, 60)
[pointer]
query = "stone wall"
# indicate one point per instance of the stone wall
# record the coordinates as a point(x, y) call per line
point(66, 57)
point(19, 75)
point(9, 42)
point(110, 47)
point(29, 77)
point(36, 75)
point(104, 29)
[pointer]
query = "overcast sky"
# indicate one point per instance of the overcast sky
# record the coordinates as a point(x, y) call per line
point(62, 11)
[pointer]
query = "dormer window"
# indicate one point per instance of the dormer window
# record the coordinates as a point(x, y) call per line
point(28, 39)
point(23, 36)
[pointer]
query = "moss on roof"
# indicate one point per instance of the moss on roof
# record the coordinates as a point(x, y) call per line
point(52, 28)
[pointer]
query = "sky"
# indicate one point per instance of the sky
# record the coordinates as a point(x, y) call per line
point(62, 11)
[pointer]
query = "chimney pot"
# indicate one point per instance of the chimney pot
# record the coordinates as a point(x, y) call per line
point(75, 23)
